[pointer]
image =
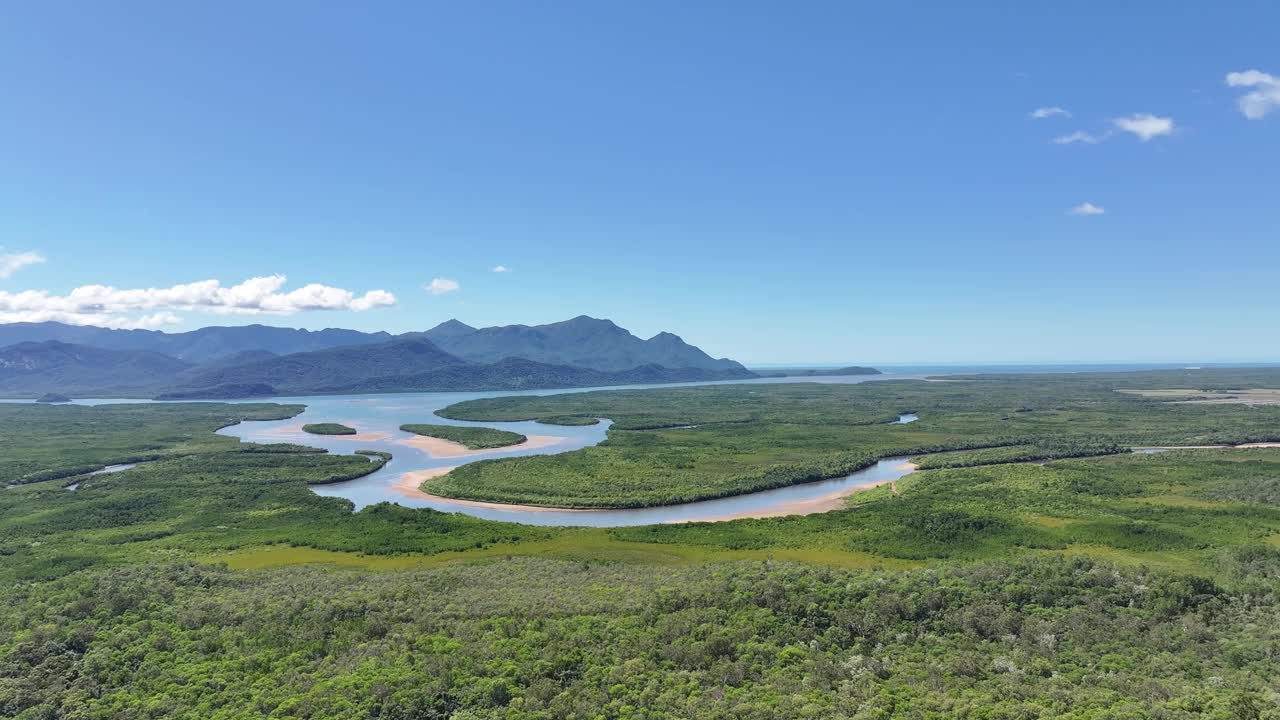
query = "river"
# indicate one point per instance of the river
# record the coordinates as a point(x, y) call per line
point(379, 417)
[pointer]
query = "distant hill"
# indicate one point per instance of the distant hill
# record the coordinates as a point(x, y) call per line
point(584, 342)
point(35, 368)
point(196, 346)
point(415, 364)
point(256, 360)
point(819, 372)
point(229, 391)
point(335, 367)
point(521, 374)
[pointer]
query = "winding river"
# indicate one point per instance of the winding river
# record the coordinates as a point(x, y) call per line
point(379, 417)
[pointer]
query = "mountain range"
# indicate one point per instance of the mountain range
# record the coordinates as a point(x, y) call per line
point(257, 360)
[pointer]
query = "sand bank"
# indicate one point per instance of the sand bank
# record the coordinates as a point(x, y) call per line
point(408, 486)
point(295, 433)
point(821, 504)
point(440, 448)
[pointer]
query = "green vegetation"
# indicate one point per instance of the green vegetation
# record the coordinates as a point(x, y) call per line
point(328, 429)
point(1062, 638)
point(681, 444)
point(568, 420)
point(212, 583)
point(474, 438)
point(1169, 509)
point(1044, 450)
point(43, 442)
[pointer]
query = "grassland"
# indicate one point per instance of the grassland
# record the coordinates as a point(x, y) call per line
point(473, 438)
point(328, 429)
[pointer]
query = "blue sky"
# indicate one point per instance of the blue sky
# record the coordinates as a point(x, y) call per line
point(820, 182)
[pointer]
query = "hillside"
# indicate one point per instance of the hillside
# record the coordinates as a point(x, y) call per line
point(414, 366)
point(336, 367)
point(581, 342)
point(30, 369)
point(521, 374)
point(260, 361)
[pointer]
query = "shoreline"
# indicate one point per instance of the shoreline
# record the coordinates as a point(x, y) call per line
point(441, 448)
point(409, 485)
point(295, 433)
point(811, 506)
point(410, 482)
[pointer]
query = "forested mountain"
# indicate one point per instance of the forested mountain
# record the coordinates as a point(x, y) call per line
point(256, 360)
point(582, 342)
point(334, 367)
point(412, 365)
point(521, 374)
point(33, 368)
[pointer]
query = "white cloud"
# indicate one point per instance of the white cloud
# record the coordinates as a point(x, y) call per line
point(501, 268)
point(1048, 112)
point(1080, 136)
point(440, 286)
point(1265, 96)
point(112, 307)
point(1087, 208)
point(13, 262)
point(1145, 125)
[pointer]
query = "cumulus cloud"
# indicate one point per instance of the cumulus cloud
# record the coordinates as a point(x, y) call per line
point(13, 262)
point(1048, 112)
point(1145, 125)
point(441, 286)
point(1080, 136)
point(1087, 208)
point(501, 268)
point(1265, 96)
point(115, 307)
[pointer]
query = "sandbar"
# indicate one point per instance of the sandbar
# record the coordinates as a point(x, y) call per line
point(408, 486)
point(441, 448)
point(810, 506)
point(296, 433)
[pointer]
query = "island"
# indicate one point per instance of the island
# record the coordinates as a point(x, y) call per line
point(53, 398)
point(226, 391)
point(328, 429)
point(473, 438)
point(817, 372)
